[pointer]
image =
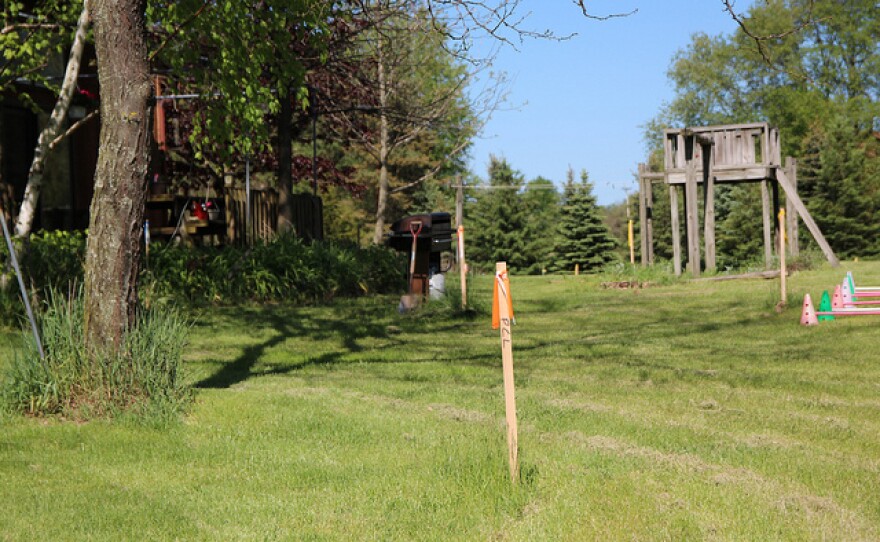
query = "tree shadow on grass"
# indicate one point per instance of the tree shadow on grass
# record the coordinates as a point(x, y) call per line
point(348, 325)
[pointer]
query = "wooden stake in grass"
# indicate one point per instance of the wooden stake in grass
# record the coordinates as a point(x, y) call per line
point(502, 316)
point(782, 255)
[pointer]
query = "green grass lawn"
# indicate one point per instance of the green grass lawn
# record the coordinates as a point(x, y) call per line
point(692, 411)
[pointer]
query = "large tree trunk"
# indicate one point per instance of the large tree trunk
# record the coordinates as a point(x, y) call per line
point(113, 252)
point(35, 175)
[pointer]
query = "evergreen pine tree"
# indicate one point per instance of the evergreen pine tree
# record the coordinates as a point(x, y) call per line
point(541, 200)
point(499, 222)
point(841, 187)
point(583, 238)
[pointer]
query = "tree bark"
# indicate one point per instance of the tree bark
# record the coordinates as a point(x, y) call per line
point(382, 200)
point(35, 175)
point(285, 165)
point(113, 251)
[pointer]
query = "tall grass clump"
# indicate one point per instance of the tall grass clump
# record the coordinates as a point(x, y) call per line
point(143, 378)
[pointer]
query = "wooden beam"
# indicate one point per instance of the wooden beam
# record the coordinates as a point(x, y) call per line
point(692, 218)
point(801, 209)
point(726, 173)
point(644, 186)
point(777, 232)
point(768, 225)
point(676, 230)
point(790, 211)
point(649, 224)
point(708, 208)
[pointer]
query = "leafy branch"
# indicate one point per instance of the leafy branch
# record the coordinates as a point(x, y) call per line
point(762, 40)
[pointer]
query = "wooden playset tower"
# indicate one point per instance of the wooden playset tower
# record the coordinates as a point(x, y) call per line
point(722, 154)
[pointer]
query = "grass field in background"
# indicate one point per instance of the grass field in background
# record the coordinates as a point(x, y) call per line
point(680, 412)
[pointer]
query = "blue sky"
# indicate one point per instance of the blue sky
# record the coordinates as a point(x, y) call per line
point(583, 102)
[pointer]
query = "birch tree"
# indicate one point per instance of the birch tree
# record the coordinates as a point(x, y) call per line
point(50, 132)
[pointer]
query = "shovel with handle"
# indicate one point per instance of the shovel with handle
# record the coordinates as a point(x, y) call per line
point(410, 300)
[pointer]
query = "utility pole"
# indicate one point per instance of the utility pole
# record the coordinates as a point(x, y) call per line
point(459, 201)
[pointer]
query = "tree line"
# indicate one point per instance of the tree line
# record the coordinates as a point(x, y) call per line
point(533, 227)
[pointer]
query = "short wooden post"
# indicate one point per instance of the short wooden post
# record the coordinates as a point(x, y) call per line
point(502, 291)
point(462, 266)
point(782, 255)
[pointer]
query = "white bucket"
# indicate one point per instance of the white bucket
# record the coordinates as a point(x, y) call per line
point(437, 286)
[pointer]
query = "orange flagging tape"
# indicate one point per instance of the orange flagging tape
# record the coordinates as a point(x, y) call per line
point(502, 282)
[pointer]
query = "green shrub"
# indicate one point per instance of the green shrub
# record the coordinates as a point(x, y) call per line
point(144, 378)
point(54, 260)
point(49, 261)
point(286, 269)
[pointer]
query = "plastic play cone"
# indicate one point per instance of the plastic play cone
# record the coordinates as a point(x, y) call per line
point(846, 294)
point(836, 300)
point(808, 314)
point(849, 284)
point(826, 305)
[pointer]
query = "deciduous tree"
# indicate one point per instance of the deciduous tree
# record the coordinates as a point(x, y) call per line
point(113, 252)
